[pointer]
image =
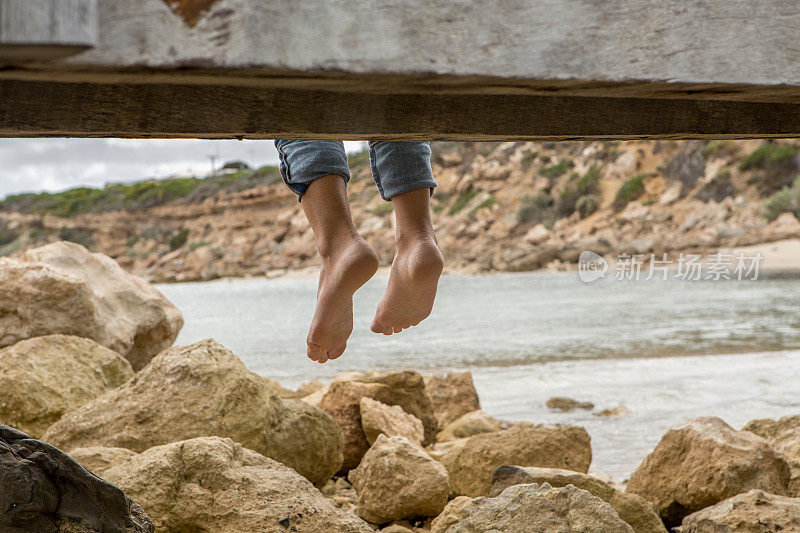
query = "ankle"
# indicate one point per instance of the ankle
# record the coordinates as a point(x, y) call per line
point(408, 238)
point(330, 246)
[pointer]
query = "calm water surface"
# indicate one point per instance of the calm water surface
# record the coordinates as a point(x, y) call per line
point(667, 350)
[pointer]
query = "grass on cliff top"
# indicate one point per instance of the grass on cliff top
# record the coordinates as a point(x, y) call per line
point(579, 188)
point(133, 196)
point(786, 200)
point(631, 189)
point(769, 156)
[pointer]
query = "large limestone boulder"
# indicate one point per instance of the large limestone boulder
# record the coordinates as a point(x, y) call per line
point(754, 511)
point(200, 390)
point(637, 512)
point(703, 461)
point(98, 459)
point(64, 288)
point(531, 509)
point(343, 402)
point(784, 436)
point(397, 480)
point(468, 425)
point(452, 395)
point(471, 462)
point(43, 490)
point(380, 419)
point(214, 484)
point(43, 377)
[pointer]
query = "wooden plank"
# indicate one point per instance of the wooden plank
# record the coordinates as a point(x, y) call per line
point(35, 108)
point(671, 41)
point(46, 29)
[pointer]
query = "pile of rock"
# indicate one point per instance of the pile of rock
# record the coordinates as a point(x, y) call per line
point(64, 288)
point(702, 462)
point(195, 441)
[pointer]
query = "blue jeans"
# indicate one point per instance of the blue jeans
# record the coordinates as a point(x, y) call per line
point(397, 166)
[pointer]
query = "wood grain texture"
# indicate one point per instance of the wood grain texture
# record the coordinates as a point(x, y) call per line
point(46, 29)
point(692, 41)
point(30, 108)
point(436, 69)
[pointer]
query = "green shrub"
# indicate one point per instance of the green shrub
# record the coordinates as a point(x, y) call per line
point(714, 148)
point(557, 170)
point(139, 195)
point(357, 162)
point(586, 205)
point(769, 156)
point(384, 208)
point(586, 185)
point(461, 202)
point(178, 239)
point(536, 208)
point(787, 200)
point(7, 235)
point(528, 159)
point(76, 235)
point(631, 189)
point(10, 248)
point(488, 203)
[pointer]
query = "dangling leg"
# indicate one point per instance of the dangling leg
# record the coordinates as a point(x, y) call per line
point(403, 174)
point(348, 261)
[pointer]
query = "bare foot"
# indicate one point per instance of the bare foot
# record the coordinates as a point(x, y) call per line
point(345, 270)
point(412, 286)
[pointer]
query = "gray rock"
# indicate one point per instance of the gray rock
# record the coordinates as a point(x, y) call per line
point(44, 490)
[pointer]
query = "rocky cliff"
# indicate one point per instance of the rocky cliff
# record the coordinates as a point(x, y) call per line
point(499, 207)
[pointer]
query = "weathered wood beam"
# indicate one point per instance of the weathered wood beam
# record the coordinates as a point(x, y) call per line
point(439, 69)
point(35, 108)
point(46, 29)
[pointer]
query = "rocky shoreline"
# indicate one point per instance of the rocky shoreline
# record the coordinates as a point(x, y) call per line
point(97, 435)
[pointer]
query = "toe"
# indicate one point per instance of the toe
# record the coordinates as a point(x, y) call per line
point(314, 352)
point(336, 352)
point(397, 329)
point(376, 326)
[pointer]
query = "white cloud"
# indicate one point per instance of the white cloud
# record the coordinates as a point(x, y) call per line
point(33, 165)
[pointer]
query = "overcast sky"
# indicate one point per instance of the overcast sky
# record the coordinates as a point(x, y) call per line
point(34, 165)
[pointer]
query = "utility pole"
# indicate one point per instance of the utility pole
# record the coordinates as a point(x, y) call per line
point(214, 158)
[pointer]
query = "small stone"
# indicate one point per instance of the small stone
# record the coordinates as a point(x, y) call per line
point(614, 412)
point(559, 403)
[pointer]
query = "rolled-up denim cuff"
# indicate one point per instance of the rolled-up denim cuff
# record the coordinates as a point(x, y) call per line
point(302, 162)
point(401, 166)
